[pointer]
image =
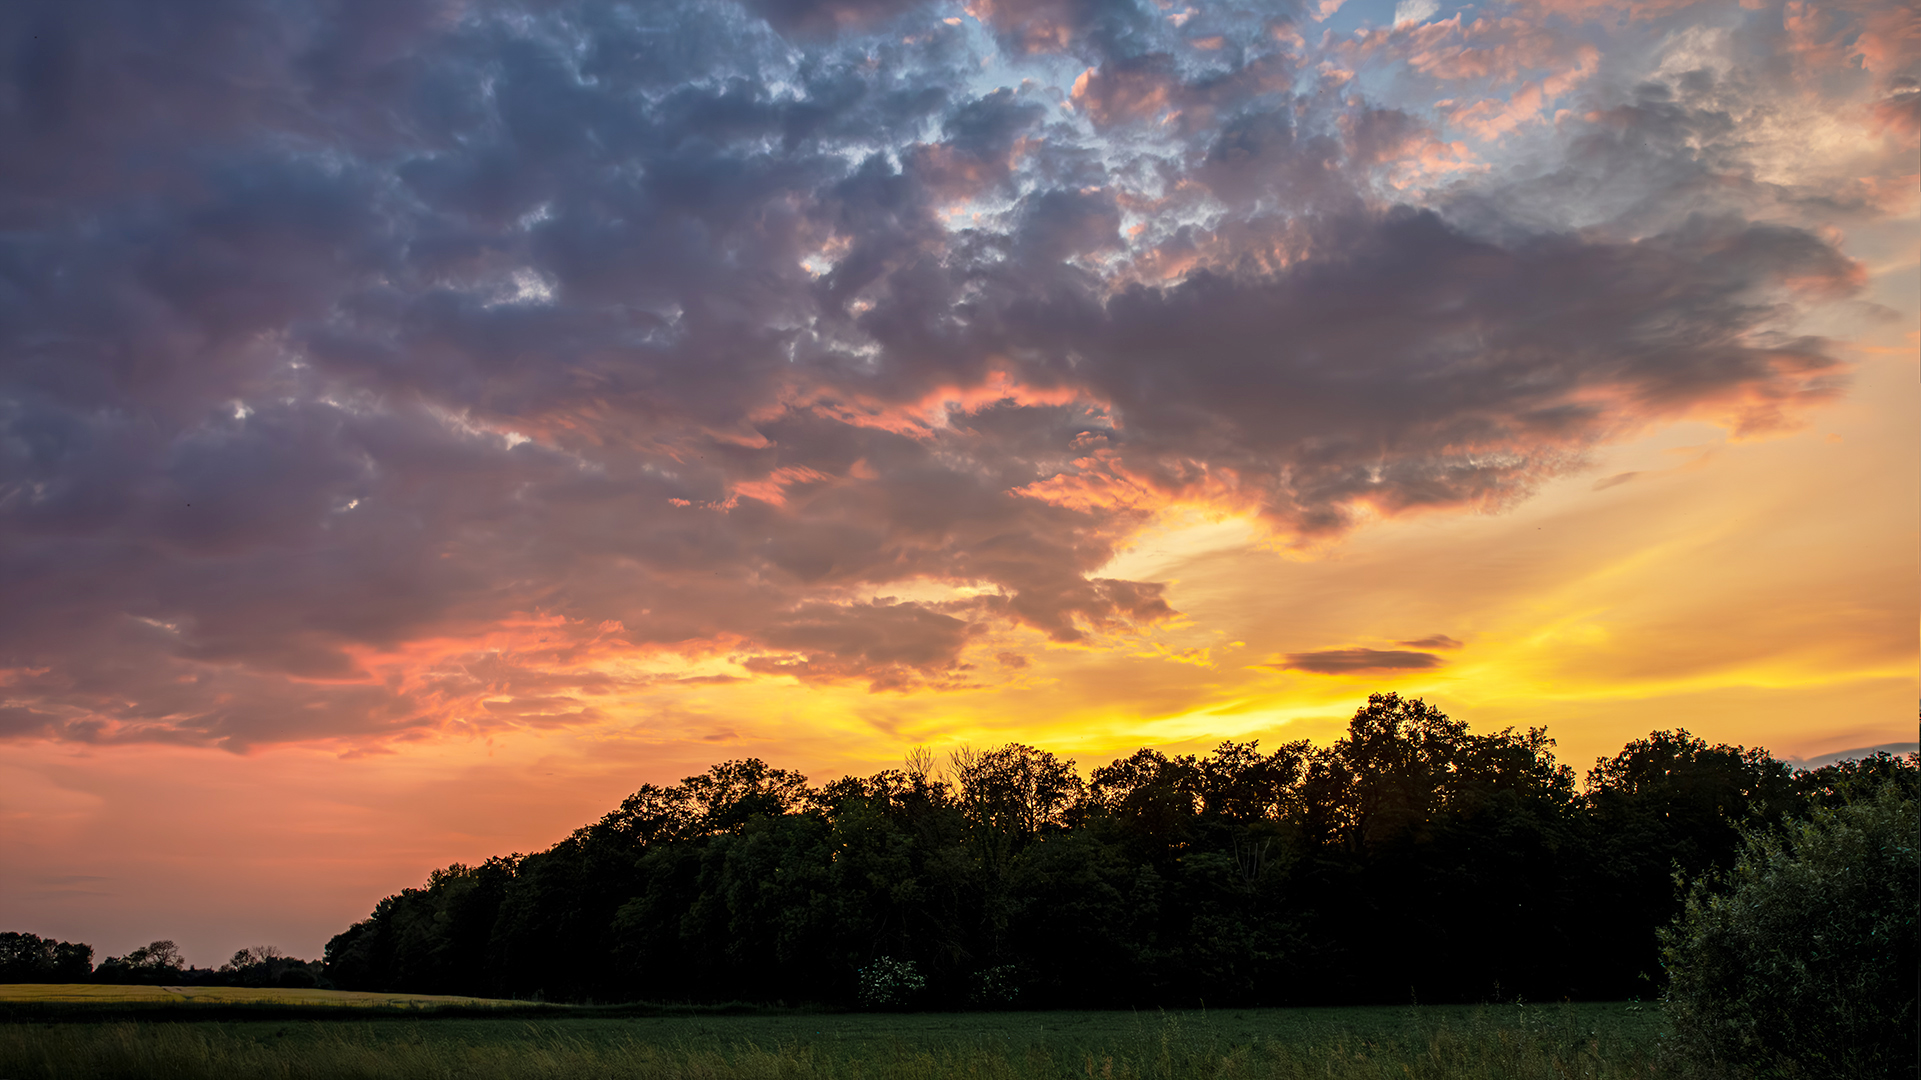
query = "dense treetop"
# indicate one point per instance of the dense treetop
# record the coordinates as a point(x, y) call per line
point(1410, 859)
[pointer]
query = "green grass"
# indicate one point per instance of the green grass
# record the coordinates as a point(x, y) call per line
point(1597, 1041)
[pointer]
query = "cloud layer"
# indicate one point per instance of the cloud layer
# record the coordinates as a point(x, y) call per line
point(370, 369)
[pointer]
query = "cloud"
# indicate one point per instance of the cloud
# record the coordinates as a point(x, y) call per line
point(1898, 749)
point(1052, 26)
point(1357, 661)
point(1432, 641)
point(825, 17)
point(366, 367)
point(1414, 11)
point(885, 643)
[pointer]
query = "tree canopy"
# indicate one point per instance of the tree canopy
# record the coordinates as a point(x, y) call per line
point(1412, 859)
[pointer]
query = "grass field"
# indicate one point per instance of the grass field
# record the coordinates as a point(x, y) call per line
point(1598, 1041)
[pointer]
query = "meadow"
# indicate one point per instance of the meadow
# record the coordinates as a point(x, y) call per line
point(396, 1042)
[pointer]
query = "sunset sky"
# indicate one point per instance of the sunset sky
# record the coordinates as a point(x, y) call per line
point(424, 421)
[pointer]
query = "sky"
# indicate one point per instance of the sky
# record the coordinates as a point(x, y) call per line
point(422, 422)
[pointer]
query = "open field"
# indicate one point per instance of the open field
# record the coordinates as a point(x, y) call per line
point(1598, 1041)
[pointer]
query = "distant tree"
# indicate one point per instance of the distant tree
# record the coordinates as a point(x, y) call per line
point(437, 939)
point(1442, 860)
point(1240, 784)
point(1665, 804)
point(1015, 791)
point(552, 936)
point(159, 962)
point(1844, 782)
point(731, 794)
point(1075, 927)
point(1800, 960)
point(266, 965)
point(72, 962)
point(27, 958)
point(723, 799)
point(1149, 794)
point(361, 957)
point(1400, 754)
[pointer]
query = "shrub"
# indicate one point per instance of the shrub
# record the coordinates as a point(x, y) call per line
point(888, 983)
point(1801, 961)
point(996, 987)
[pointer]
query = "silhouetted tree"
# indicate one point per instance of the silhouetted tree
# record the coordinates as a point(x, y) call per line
point(1666, 804)
point(159, 962)
point(1411, 856)
point(27, 958)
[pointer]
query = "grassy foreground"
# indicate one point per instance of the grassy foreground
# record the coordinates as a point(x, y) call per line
point(1480, 1043)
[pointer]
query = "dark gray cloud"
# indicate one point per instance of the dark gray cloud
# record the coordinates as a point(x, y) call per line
point(337, 336)
point(1357, 661)
point(1432, 641)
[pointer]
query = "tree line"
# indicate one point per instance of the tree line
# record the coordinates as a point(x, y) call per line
point(29, 958)
point(1411, 860)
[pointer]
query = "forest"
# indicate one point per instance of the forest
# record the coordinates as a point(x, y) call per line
point(1411, 860)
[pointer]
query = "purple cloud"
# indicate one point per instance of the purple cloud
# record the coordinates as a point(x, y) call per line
point(335, 336)
point(1357, 661)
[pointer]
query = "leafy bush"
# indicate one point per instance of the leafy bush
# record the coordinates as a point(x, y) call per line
point(888, 983)
point(997, 987)
point(1801, 961)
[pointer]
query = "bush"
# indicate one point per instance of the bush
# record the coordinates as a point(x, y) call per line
point(997, 987)
point(1801, 962)
point(888, 983)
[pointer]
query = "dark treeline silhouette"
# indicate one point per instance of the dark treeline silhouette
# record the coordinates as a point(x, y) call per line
point(28, 958)
point(1412, 859)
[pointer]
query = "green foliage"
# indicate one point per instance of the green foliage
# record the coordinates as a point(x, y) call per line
point(997, 987)
point(1800, 962)
point(887, 983)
